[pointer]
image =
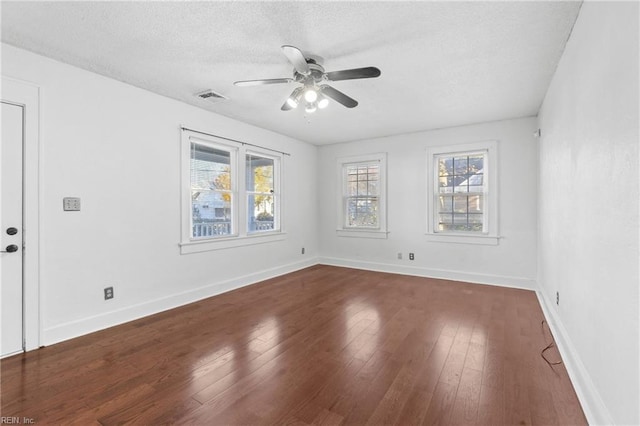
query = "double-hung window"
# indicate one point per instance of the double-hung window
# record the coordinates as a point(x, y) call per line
point(362, 211)
point(262, 198)
point(231, 193)
point(462, 193)
point(213, 189)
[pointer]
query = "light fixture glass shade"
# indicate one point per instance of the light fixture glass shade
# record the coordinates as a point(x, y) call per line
point(292, 102)
point(322, 103)
point(310, 95)
point(294, 99)
point(311, 107)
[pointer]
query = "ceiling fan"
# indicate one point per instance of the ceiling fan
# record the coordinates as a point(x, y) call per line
point(311, 75)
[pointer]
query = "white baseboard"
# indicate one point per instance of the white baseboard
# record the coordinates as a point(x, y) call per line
point(470, 277)
point(88, 325)
point(594, 408)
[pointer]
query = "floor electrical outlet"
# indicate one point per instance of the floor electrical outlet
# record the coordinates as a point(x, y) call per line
point(411, 256)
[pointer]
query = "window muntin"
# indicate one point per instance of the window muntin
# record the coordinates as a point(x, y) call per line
point(461, 191)
point(212, 191)
point(361, 198)
point(262, 198)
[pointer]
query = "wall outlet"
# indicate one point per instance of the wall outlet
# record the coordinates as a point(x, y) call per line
point(71, 204)
point(411, 256)
point(558, 298)
point(399, 256)
point(302, 250)
point(108, 293)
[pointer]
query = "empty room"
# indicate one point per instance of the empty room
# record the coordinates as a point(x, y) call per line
point(320, 212)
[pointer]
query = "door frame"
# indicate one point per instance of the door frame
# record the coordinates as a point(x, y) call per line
point(27, 95)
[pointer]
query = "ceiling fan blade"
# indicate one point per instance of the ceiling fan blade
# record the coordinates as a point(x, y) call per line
point(297, 59)
point(368, 72)
point(338, 96)
point(244, 83)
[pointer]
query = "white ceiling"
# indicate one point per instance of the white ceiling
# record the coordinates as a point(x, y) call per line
point(443, 63)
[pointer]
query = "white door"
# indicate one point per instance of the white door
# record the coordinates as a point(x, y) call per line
point(11, 298)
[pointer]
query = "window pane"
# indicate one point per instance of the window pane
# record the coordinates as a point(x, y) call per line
point(210, 191)
point(260, 214)
point(362, 188)
point(210, 168)
point(362, 212)
point(259, 172)
point(460, 165)
point(475, 218)
point(446, 204)
point(460, 203)
point(476, 204)
point(445, 166)
point(476, 163)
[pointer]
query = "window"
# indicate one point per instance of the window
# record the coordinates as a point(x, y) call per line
point(462, 193)
point(231, 194)
point(212, 190)
point(262, 199)
point(362, 211)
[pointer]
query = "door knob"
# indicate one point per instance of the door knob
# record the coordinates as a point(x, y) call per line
point(12, 231)
point(10, 249)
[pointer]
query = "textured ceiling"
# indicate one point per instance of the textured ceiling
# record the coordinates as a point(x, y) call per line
point(443, 63)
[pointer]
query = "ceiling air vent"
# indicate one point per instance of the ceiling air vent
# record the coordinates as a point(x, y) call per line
point(211, 96)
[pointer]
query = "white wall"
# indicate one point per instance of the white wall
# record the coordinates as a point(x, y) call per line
point(118, 148)
point(588, 229)
point(511, 263)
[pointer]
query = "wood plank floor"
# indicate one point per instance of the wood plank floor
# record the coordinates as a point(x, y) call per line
point(324, 345)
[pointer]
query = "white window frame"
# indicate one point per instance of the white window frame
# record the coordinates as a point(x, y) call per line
point(343, 229)
point(490, 234)
point(241, 235)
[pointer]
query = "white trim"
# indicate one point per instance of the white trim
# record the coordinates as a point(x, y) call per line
point(463, 239)
point(198, 246)
point(491, 223)
point(361, 233)
point(592, 404)
point(381, 230)
point(470, 277)
point(77, 328)
point(28, 94)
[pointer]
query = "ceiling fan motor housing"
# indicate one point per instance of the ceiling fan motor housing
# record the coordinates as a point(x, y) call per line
point(316, 74)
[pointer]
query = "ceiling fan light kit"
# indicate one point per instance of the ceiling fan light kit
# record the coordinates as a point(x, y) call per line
point(312, 76)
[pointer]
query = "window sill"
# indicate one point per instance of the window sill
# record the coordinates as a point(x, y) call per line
point(487, 240)
point(361, 233)
point(198, 246)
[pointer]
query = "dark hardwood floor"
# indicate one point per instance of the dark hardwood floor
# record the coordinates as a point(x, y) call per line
point(324, 345)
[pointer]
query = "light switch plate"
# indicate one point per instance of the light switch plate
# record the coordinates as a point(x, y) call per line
point(71, 204)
